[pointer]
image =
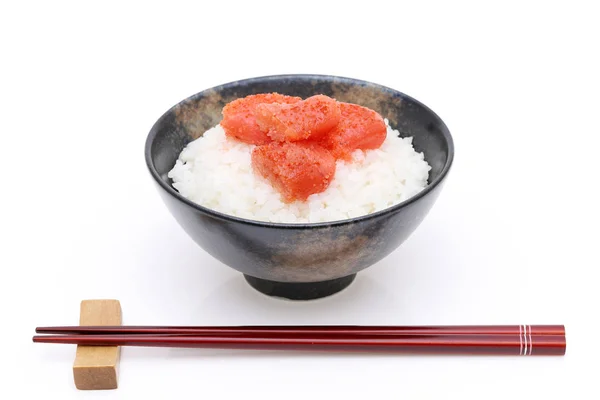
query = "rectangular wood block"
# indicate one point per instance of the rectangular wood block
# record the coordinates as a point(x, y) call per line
point(96, 367)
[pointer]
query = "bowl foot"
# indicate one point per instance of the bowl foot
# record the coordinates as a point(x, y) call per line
point(300, 291)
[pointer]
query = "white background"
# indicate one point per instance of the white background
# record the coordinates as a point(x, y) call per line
point(512, 239)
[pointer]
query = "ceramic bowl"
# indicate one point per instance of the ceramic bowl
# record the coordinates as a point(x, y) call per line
point(299, 261)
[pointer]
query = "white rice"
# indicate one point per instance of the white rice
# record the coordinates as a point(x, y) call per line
point(215, 172)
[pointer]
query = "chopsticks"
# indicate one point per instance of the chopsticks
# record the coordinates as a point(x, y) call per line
point(308, 330)
point(470, 339)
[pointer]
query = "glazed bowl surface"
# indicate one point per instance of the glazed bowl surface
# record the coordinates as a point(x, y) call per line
point(299, 261)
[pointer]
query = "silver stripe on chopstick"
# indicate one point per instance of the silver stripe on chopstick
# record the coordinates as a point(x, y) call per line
point(525, 339)
point(530, 341)
point(521, 340)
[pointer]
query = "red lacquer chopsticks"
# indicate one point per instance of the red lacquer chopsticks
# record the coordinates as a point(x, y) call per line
point(310, 330)
point(475, 339)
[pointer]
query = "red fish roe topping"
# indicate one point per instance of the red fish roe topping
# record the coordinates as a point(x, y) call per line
point(239, 121)
point(298, 141)
point(310, 118)
point(296, 170)
point(359, 128)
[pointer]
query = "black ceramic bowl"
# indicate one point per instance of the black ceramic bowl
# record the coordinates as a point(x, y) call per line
point(299, 261)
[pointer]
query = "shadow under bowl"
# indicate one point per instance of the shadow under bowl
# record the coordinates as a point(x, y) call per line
point(299, 261)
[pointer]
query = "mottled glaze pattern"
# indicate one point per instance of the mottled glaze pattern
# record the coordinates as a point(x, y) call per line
point(299, 253)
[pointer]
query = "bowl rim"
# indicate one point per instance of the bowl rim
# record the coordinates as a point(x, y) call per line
point(305, 225)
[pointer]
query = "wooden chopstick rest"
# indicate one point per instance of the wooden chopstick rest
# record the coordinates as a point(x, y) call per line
point(96, 367)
